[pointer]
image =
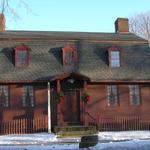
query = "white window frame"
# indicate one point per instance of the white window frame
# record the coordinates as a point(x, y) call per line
point(4, 91)
point(30, 103)
point(112, 95)
point(115, 59)
point(134, 92)
point(22, 58)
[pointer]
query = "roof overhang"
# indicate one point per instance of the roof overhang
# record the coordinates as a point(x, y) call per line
point(119, 81)
point(71, 75)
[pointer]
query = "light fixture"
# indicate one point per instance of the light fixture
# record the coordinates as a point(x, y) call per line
point(71, 80)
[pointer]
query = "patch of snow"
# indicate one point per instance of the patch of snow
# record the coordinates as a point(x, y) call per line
point(124, 135)
point(128, 145)
point(42, 147)
point(28, 138)
point(128, 140)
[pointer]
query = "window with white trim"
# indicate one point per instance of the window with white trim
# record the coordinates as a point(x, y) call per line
point(134, 91)
point(115, 58)
point(22, 53)
point(4, 96)
point(22, 58)
point(112, 95)
point(28, 96)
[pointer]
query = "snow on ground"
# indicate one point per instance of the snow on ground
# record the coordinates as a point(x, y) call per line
point(127, 140)
point(28, 138)
point(130, 140)
point(128, 145)
point(40, 141)
point(123, 135)
point(42, 147)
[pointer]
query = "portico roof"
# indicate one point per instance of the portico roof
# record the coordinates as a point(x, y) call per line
point(71, 75)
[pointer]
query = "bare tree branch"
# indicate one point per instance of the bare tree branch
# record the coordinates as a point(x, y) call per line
point(140, 25)
point(6, 8)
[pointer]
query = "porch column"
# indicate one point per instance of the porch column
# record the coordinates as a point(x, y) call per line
point(49, 108)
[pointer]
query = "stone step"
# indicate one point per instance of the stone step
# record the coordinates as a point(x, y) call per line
point(74, 131)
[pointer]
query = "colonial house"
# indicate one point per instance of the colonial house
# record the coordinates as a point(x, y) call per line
point(50, 79)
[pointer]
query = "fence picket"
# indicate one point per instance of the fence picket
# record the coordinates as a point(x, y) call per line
point(104, 123)
point(121, 123)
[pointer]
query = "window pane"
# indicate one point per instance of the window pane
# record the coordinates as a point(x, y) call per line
point(115, 59)
point(4, 96)
point(112, 94)
point(134, 94)
point(22, 58)
point(28, 96)
point(69, 57)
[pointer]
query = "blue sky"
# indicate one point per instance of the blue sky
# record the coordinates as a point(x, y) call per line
point(73, 15)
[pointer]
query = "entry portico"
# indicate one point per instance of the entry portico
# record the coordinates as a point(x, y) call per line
point(72, 110)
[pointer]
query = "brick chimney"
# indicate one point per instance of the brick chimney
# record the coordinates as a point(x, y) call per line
point(122, 25)
point(2, 22)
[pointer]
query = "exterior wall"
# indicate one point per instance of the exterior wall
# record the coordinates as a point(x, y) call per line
point(98, 104)
point(16, 111)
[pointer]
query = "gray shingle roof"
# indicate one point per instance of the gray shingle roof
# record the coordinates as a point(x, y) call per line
point(134, 66)
point(45, 56)
point(70, 36)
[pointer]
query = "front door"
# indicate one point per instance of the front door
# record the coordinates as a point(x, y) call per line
point(71, 111)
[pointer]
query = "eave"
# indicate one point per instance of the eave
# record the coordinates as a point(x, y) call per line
point(119, 81)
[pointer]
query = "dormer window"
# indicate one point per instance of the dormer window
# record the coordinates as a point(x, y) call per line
point(21, 56)
point(114, 57)
point(69, 57)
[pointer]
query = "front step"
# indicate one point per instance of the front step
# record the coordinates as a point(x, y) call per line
point(75, 131)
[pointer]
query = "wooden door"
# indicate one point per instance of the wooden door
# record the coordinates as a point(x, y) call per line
point(72, 107)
